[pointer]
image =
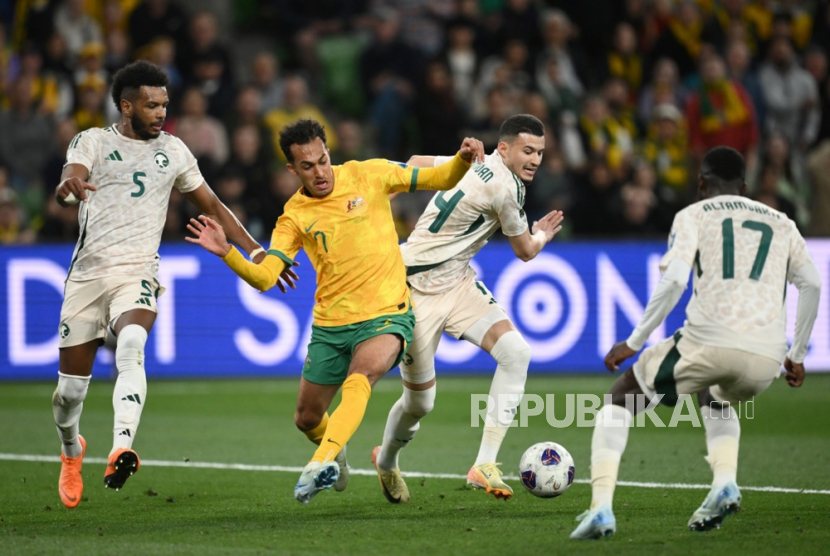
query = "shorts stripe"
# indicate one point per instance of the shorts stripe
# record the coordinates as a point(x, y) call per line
point(664, 382)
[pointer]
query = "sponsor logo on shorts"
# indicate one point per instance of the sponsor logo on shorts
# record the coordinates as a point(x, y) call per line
point(64, 330)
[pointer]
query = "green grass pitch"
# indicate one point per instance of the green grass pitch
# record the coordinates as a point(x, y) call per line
point(177, 504)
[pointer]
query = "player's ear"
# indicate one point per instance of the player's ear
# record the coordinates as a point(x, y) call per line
point(126, 106)
point(503, 147)
point(290, 168)
point(743, 189)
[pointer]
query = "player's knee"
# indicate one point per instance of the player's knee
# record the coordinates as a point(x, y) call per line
point(129, 351)
point(512, 352)
point(71, 390)
point(306, 419)
point(419, 403)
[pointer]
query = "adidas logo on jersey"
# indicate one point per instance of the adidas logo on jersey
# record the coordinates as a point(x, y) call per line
point(114, 155)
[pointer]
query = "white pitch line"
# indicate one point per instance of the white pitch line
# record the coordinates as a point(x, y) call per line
point(372, 473)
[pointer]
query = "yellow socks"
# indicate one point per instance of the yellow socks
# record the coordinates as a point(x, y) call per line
point(345, 419)
point(316, 434)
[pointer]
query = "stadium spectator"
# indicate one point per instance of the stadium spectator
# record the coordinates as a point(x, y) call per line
point(351, 143)
point(295, 106)
point(14, 228)
point(156, 18)
point(665, 149)
point(720, 112)
point(819, 167)
point(76, 27)
point(462, 60)
point(768, 192)
point(570, 62)
point(791, 97)
point(26, 138)
point(738, 69)
point(664, 88)
point(596, 208)
point(390, 71)
point(211, 76)
point(624, 60)
point(604, 135)
point(203, 134)
point(91, 94)
point(203, 33)
point(265, 70)
point(681, 40)
point(439, 117)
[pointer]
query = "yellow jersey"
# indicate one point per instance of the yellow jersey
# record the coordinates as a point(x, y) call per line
point(350, 238)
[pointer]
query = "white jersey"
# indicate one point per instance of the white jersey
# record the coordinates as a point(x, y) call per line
point(458, 223)
point(121, 222)
point(742, 253)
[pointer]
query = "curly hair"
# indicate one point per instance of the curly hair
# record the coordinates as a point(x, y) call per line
point(300, 132)
point(129, 80)
point(521, 123)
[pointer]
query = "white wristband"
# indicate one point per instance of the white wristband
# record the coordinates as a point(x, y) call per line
point(71, 199)
point(255, 252)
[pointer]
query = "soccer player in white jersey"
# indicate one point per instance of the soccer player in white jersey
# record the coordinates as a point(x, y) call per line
point(123, 176)
point(446, 297)
point(730, 348)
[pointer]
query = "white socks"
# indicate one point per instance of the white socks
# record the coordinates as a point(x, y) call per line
point(723, 432)
point(512, 354)
point(67, 404)
point(402, 424)
point(607, 447)
point(130, 390)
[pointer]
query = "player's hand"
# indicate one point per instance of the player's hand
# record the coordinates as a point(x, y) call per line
point(209, 235)
point(289, 276)
point(619, 353)
point(550, 224)
point(472, 150)
point(76, 187)
point(795, 373)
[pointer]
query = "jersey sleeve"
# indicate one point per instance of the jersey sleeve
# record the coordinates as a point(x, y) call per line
point(286, 240)
point(82, 150)
point(190, 178)
point(799, 256)
point(510, 212)
point(683, 240)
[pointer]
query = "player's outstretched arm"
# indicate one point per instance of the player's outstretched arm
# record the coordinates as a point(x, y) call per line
point(446, 176)
point(421, 161)
point(73, 186)
point(209, 204)
point(529, 244)
point(210, 235)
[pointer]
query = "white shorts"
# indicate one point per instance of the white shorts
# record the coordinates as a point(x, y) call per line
point(454, 312)
point(678, 366)
point(89, 306)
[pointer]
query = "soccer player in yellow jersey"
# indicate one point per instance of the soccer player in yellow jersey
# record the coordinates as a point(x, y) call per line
point(363, 319)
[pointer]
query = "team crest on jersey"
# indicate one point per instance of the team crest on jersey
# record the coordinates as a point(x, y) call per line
point(356, 206)
point(161, 160)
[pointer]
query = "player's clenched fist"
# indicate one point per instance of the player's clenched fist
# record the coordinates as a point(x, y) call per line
point(72, 190)
point(472, 150)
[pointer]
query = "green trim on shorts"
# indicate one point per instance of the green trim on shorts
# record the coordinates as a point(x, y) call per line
point(664, 382)
point(331, 348)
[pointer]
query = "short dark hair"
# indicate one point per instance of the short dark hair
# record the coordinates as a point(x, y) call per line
point(521, 123)
point(129, 80)
point(300, 132)
point(724, 164)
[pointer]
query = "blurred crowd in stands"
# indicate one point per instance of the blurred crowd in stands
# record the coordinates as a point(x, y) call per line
point(632, 93)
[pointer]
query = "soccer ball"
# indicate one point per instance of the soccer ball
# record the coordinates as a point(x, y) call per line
point(547, 469)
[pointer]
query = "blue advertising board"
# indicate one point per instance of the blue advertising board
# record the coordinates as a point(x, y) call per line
point(571, 303)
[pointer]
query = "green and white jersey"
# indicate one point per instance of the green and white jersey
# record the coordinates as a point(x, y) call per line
point(742, 254)
point(121, 222)
point(458, 223)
